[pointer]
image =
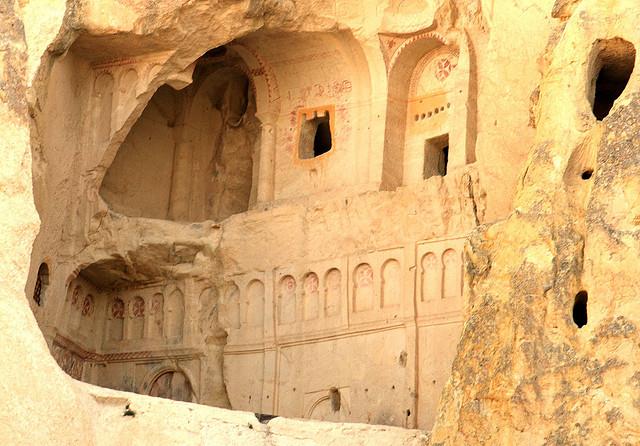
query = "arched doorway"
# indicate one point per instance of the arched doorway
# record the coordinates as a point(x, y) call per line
point(173, 385)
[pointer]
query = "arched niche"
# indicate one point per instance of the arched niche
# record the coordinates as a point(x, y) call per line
point(430, 124)
point(174, 315)
point(363, 288)
point(430, 277)
point(137, 316)
point(391, 286)
point(170, 383)
point(115, 319)
point(229, 314)
point(101, 108)
point(332, 292)
point(330, 106)
point(190, 155)
point(287, 308)
point(254, 305)
point(311, 296)
point(451, 274)
point(156, 316)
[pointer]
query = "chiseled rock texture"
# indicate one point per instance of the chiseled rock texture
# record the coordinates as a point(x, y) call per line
point(524, 373)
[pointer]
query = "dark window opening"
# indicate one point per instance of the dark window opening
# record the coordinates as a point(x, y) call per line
point(614, 65)
point(42, 281)
point(587, 174)
point(334, 398)
point(315, 137)
point(220, 51)
point(580, 309)
point(322, 140)
point(436, 157)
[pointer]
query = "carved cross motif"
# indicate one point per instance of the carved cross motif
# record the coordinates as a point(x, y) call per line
point(87, 306)
point(75, 297)
point(443, 69)
point(138, 308)
point(311, 283)
point(117, 309)
point(156, 304)
point(289, 284)
point(365, 276)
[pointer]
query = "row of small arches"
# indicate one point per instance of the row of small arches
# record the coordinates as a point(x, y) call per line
point(306, 304)
point(441, 276)
point(321, 296)
point(137, 318)
point(80, 311)
point(104, 88)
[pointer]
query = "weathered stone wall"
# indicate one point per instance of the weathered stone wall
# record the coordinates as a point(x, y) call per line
point(527, 369)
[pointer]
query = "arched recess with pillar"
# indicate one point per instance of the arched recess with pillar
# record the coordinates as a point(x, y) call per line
point(168, 380)
point(430, 126)
point(323, 94)
point(194, 154)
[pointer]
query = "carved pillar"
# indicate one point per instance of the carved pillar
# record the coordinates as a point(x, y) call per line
point(267, 156)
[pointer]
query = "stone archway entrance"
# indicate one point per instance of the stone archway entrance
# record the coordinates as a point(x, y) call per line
point(172, 385)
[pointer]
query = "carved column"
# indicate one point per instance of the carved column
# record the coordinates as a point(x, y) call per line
point(267, 156)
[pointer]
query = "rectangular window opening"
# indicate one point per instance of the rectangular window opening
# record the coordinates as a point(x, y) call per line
point(436, 156)
point(315, 136)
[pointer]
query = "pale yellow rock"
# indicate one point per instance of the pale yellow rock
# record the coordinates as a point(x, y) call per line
point(319, 210)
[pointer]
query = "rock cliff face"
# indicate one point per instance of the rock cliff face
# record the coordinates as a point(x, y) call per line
point(261, 205)
point(548, 353)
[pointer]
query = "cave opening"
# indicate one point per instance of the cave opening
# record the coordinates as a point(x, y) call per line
point(613, 67)
point(42, 281)
point(436, 157)
point(315, 135)
point(580, 309)
point(189, 157)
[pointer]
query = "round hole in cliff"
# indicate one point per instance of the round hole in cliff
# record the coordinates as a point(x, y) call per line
point(580, 309)
point(614, 64)
point(587, 174)
point(408, 413)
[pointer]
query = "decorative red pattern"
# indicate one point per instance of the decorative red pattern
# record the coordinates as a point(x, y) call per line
point(117, 309)
point(443, 69)
point(87, 306)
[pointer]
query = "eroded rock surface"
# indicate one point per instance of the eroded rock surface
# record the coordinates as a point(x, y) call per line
point(321, 210)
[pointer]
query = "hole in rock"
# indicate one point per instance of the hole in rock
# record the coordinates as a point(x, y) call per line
point(580, 309)
point(436, 157)
point(613, 67)
point(587, 174)
point(334, 398)
point(147, 316)
point(315, 137)
point(189, 157)
point(42, 281)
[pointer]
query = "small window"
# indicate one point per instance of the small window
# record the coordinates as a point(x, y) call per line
point(315, 135)
point(580, 309)
point(436, 157)
point(42, 282)
point(613, 67)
